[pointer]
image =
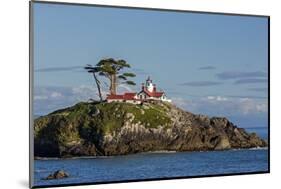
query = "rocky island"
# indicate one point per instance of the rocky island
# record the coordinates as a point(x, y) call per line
point(119, 128)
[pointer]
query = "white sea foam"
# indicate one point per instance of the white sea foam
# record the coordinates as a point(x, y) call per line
point(159, 152)
point(259, 148)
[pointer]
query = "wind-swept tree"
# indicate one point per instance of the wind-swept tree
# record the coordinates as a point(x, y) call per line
point(112, 70)
point(93, 70)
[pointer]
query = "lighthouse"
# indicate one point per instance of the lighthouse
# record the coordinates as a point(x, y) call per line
point(148, 93)
point(149, 85)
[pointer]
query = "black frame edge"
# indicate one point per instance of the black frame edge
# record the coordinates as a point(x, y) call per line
point(31, 136)
point(268, 54)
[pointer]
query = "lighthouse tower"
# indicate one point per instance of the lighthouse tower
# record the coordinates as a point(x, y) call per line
point(149, 85)
point(148, 93)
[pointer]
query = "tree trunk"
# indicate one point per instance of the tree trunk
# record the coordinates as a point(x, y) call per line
point(112, 84)
point(115, 84)
point(98, 86)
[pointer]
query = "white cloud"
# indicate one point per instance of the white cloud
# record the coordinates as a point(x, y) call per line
point(180, 101)
point(222, 106)
point(125, 88)
point(262, 107)
point(210, 97)
point(48, 99)
point(248, 106)
point(216, 98)
point(39, 97)
point(56, 95)
point(83, 93)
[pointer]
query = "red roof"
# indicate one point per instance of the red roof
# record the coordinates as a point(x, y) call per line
point(125, 96)
point(152, 94)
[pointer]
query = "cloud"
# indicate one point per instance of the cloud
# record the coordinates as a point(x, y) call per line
point(262, 89)
point(48, 99)
point(40, 97)
point(250, 80)
point(239, 74)
point(56, 95)
point(223, 106)
point(207, 68)
point(180, 101)
point(84, 93)
point(176, 92)
point(201, 83)
point(217, 98)
point(247, 96)
point(248, 106)
point(59, 69)
point(243, 112)
point(124, 88)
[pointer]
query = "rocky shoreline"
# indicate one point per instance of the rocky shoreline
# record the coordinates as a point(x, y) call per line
point(152, 152)
point(108, 129)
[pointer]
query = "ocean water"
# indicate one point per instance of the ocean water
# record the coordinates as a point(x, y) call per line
point(154, 165)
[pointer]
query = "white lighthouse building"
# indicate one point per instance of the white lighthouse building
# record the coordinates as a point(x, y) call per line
point(148, 93)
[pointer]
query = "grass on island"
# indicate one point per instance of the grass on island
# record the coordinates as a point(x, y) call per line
point(108, 117)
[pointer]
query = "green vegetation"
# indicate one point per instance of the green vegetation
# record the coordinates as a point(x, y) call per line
point(149, 115)
point(91, 120)
point(113, 71)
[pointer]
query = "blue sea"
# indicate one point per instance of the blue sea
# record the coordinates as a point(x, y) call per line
point(154, 165)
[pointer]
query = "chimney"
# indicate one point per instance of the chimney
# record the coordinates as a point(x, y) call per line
point(154, 87)
point(142, 86)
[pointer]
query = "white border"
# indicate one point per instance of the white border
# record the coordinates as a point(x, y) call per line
point(14, 84)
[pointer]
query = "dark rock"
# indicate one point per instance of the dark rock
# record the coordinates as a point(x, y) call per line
point(122, 128)
point(59, 174)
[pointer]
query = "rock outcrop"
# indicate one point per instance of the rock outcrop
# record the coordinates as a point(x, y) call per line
point(101, 129)
point(59, 174)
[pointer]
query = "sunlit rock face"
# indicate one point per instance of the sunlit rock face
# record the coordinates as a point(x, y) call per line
point(100, 128)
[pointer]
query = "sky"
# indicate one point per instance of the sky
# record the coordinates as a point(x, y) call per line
point(206, 63)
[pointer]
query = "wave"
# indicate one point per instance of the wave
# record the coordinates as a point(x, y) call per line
point(149, 152)
point(259, 148)
point(159, 152)
point(255, 148)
